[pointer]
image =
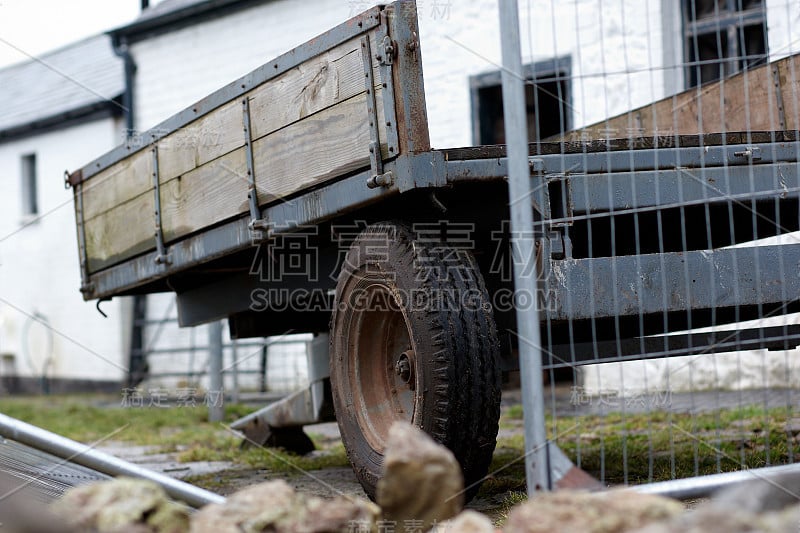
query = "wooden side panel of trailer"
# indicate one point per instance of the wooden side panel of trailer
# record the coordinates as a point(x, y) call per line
point(761, 99)
point(307, 126)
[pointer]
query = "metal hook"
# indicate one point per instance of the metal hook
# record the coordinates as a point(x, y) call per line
point(97, 306)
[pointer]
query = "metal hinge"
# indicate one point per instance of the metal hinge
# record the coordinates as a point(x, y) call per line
point(388, 51)
point(260, 225)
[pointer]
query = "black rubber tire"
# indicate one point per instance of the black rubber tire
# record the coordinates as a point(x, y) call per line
point(455, 347)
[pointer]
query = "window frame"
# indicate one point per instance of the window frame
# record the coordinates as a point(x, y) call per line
point(29, 186)
point(729, 22)
point(557, 68)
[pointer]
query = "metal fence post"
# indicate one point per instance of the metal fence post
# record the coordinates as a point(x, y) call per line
point(235, 371)
point(537, 469)
point(216, 412)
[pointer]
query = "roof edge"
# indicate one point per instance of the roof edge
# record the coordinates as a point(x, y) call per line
point(173, 20)
point(47, 54)
point(74, 117)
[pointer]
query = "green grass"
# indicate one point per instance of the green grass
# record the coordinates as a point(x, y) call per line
point(92, 420)
point(510, 500)
point(656, 446)
point(217, 481)
point(182, 429)
point(273, 459)
point(513, 412)
point(617, 447)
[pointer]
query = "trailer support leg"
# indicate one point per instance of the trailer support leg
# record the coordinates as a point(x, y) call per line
point(280, 424)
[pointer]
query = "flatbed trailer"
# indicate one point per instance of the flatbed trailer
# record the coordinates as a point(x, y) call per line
point(325, 151)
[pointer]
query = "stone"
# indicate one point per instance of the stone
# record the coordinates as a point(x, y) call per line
point(706, 519)
point(709, 518)
point(605, 512)
point(274, 506)
point(756, 505)
point(785, 521)
point(466, 522)
point(122, 504)
point(760, 494)
point(422, 483)
point(170, 517)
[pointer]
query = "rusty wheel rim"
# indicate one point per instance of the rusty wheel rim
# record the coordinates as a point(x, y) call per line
point(383, 369)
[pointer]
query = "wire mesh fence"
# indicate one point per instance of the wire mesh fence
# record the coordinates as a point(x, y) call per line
point(665, 161)
point(178, 358)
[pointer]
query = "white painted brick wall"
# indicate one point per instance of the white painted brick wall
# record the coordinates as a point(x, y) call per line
point(39, 270)
point(783, 21)
point(617, 47)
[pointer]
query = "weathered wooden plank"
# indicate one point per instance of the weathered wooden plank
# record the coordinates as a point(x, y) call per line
point(122, 232)
point(312, 151)
point(204, 196)
point(204, 140)
point(330, 78)
point(745, 102)
point(115, 185)
point(789, 76)
point(300, 155)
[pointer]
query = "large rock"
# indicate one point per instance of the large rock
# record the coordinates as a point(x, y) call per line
point(467, 522)
point(760, 494)
point(763, 505)
point(706, 520)
point(607, 512)
point(274, 506)
point(422, 482)
point(709, 518)
point(122, 504)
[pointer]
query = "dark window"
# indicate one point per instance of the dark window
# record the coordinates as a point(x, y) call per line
point(723, 37)
point(547, 96)
point(30, 205)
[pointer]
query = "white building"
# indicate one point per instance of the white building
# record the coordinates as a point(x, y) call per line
point(56, 114)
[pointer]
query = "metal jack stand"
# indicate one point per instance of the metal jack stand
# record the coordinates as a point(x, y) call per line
point(281, 424)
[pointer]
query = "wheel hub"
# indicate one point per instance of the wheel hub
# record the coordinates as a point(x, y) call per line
point(404, 368)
